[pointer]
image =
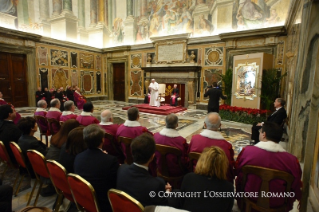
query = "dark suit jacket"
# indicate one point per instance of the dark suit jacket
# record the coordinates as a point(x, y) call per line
point(9, 132)
point(100, 170)
point(27, 142)
point(176, 91)
point(214, 95)
point(278, 116)
point(138, 183)
point(198, 183)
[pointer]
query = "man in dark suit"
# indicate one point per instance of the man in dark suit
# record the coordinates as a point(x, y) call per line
point(214, 94)
point(96, 166)
point(277, 117)
point(8, 130)
point(174, 96)
point(135, 179)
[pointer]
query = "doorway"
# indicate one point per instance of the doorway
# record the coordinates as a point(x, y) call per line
point(119, 81)
point(13, 79)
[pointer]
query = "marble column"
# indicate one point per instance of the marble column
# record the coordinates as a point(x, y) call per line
point(67, 5)
point(93, 12)
point(83, 35)
point(57, 7)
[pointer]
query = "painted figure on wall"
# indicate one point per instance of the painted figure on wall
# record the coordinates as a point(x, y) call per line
point(185, 22)
point(117, 34)
point(9, 7)
point(204, 26)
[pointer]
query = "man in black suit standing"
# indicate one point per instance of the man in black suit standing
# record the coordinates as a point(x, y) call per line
point(135, 179)
point(96, 166)
point(174, 96)
point(278, 117)
point(214, 94)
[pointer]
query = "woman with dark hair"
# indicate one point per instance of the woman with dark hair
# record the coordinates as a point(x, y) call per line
point(75, 144)
point(209, 178)
point(28, 127)
point(60, 138)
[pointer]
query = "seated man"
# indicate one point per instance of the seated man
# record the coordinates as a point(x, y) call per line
point(277, 117)
point(169, 136)
point(54, 113)
point(68, 112)
point(86, 117)
point(135, 180)
point(96, 166)
point(210, 136)
point(8, 130)
point(268, 153)
point(78, 98)
point(3, 102)
point(108, 126)
point(28, 127)
point(174, 96)
point(41, 111)
point(131, 127)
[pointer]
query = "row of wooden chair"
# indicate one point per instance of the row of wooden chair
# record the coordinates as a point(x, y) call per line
point(50, 122)
point(71, 186)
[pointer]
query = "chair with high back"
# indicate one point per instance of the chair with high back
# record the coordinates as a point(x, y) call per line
point(165, 173)
point(193, 158)
point(53, 122)
point(58, 176)
point(266, 176)
point(115, 147)
point(83, 193)
point(21, 162)
point(7, 161)
point(127, 142)
point(61, 123)
point(41, 120)
point(39, 166)
point(121, 201)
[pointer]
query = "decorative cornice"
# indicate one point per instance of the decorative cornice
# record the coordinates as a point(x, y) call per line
point(206, 39)
point(116, 48)
point(170, 37)
point(19, 34)
point(264, 32)
point(68, 44)
point(292, 12)
point(142, 46)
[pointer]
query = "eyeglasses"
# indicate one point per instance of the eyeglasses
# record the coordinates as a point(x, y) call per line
point(260, 131)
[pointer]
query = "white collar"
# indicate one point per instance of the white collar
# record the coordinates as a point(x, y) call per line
point(86, 113)
point(212, 134)
point(65, 113)
point(278, 108)
point(172, 133)
point(141, 166)
point(40, 109)
point(77, 92)
point(270, 146)
point(129, 123)
point(54, 109)
point(106, 123)
point(1, 99)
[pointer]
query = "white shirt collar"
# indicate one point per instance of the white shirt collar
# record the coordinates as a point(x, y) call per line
point(1, 99)
point(212, 134)
point(106, 123)
point(54, 109)
point(129, 123)
point(141, 166)
point(270, 146)
point(77, 92)
point(278, 108)
point(86, 113)
point(40, 109)
point(172, 133)
point(65, 113)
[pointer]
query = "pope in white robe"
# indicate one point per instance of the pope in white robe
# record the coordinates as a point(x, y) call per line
point(154, 94)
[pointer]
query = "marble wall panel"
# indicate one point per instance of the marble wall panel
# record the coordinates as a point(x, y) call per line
point(210, 76)
point(98, 64)
point(59, 58)
point(136, 60)
point(74, 78)
point(43, 56)
point(86, 61)
point(214, 56)
point(43, 72)
point(59, 78)
point(87, 82)
point(136, 83)
point(98, 82)
point(74, 59)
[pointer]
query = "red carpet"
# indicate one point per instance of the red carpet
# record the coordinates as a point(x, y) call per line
point(162, 110)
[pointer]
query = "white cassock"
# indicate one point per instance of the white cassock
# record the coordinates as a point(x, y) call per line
point(154, 94)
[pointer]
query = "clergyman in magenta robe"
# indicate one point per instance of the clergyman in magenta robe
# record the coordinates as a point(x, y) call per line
point(41, 111)
point(54, 113)
point(80, 101)
point(68, 112)
point(86, 117)
point(270, 154)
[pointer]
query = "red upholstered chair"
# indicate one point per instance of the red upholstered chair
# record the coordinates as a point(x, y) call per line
point(6, 160)
point(121, 201)
point(39, 166)
point(21, 163)
point(127, 142)
point(83, 193)
point(42, 119)
point(59, 178)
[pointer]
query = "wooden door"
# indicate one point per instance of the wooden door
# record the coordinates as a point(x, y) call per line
point(119, 81)
point(13, 81)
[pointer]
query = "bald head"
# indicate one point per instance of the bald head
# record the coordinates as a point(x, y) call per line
point(212, 121)
point(106, 116)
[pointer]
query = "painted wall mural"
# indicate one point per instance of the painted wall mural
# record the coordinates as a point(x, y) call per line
point(145, 18)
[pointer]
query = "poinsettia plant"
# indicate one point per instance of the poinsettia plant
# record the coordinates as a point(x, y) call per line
point(242, 114)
